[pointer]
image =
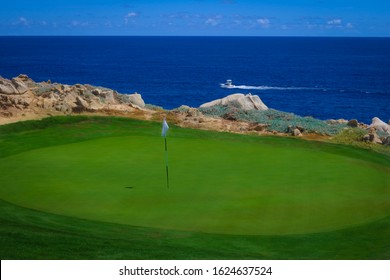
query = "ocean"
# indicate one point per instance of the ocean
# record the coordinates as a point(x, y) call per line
point(326, 78)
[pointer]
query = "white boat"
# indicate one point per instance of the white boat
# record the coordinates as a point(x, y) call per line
point(228, 84)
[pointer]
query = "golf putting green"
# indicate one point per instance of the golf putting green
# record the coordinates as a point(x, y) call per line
point(235, 185)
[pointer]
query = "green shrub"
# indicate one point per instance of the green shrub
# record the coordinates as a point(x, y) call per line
point(276, 120)
point(154, 107)
point(350, 136)
point(354, 137)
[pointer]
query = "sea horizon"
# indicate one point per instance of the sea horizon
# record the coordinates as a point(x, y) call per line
point(239, 36)
point(322, 77)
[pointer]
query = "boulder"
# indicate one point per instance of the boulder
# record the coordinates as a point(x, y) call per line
point(366, 138)
point(68, 103)
point(386, 141)
point(26, 80)
point(96, 91)
point(380, 125)
point(136, 99)
point(95, 105)
point(339, 121)
point(353, 123)
point(6, 87)
point(373, 138)
point(240, 101)
point(15, 86)
point(82, 104)
point(297, 132)
point(19, 85)
point(109, 96)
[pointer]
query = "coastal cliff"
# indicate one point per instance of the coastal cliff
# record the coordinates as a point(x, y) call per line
point(21, 98)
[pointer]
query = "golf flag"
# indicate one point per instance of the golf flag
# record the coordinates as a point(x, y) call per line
point(165, 128)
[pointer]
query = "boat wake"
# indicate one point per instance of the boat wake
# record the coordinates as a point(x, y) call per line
point(266, 87)
point(229, 85)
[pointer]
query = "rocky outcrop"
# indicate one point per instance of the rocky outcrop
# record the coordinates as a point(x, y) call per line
point(380, 125)
point(21, 98)
point(339, 121)
point(386, 141)
point(22, 95)
point(188, 112)
point(137, 100)
point(295, 131)
point(372, 137)
point(239, 101)
point(12, 87)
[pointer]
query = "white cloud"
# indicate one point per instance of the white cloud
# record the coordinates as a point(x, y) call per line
point(23, 21)
point(214, 21)
point(76, 23)
point(335, 21)
point(211, 21)
point(264, 22)
point(129, 16)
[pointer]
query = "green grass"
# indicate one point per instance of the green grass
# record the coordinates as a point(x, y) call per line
point(354, 137)
point(94, 188)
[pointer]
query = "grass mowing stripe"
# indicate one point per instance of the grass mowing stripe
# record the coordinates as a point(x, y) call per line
point(29, 234)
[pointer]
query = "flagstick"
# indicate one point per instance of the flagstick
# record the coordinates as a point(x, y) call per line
point(166, 161)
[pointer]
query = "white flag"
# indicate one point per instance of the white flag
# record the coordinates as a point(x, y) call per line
point(164, 128)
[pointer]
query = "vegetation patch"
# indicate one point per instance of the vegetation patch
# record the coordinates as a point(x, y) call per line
point(276, 120)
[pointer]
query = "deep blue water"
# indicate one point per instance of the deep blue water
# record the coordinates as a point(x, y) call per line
point(320, 77)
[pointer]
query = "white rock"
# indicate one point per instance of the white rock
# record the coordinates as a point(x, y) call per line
point(19, 85)
point(6, 87)
point(379, 125)
point(238, 100)
point(136, 99)
point(82, 103)
point(297, 132)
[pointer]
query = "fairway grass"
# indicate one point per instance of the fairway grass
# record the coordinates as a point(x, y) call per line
point(110, 173)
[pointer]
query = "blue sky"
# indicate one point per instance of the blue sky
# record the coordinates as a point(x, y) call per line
point(197, 17)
